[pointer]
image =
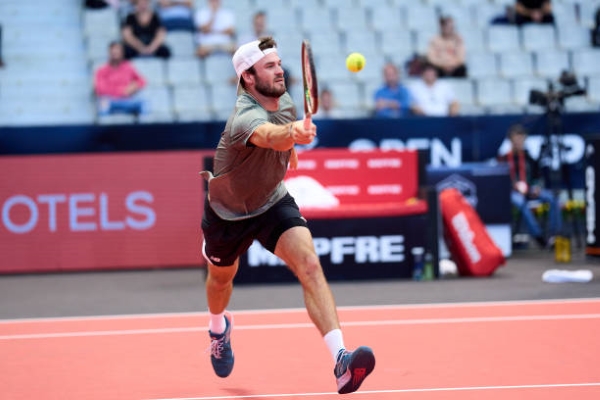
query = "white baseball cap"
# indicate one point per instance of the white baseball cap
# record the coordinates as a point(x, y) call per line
point(247, 55)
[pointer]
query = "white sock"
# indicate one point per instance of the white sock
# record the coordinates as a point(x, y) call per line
point(335, 342)
point(217, 323)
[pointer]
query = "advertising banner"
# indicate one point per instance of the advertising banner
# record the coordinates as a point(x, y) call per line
point(350, 248)
point(97, 211)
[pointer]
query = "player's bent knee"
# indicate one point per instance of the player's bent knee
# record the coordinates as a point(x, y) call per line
point(309, 268)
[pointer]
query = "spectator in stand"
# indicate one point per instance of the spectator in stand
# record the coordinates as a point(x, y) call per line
point(393, 100)
point(526, 181)
point(216, 29)
point(176, 14)
point(259, 29)
point(143, 33)
point(327, 106)
point(534, 11)
point(446, 51)
point(434, 98)
point(117, 85)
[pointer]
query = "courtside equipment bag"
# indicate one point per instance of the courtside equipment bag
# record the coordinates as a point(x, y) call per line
point(469, 243)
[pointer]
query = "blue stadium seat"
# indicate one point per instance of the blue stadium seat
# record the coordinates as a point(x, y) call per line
point(503, 38)
point(538, 37)
point(515, 64)
point(182, 72)
point(549, 64)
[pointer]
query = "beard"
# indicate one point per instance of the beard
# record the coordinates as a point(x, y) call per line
point(270, 90)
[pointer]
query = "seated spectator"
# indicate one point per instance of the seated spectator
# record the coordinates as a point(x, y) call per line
point(176, 14)
point(117, 85)
point(434, 98)
point(216, 29)
point(526, 185)
point(393, 100)
point(446, 51)
point(327, 106)
point(534, 11)
point(259, 29)
point(143, 33)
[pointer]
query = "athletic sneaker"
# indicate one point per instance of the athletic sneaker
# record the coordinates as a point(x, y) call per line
point(352, 367)
point(221, 355)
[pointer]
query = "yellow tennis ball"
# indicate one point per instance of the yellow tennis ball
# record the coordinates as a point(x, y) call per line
point(355, 62)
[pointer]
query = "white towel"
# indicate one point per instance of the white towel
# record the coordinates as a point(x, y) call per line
point(559, 276)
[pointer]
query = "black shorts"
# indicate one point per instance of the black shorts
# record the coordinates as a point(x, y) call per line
point(227, 240)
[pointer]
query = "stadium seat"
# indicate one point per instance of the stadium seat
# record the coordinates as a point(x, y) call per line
point(152, 69)
point(182, 72)
point(463, 90)
point(327, 43)
point(343, 15)
point(422, 40)
point(347, 95)
point(486, 12)
point(181, 44)
point(586, 62)
point(191, 99)
point(550, 64)
point(422, 17)
point(593, 89)
point(573, 37)
point(474, 40)
point(218, 69)
point(523, 86)
point(503, 38)
point(493, 92)
point(515, 64)
point(580, 104)
point(366, 43)
point(100, 22)
point(463, 16)
point(397, 41)
point(565, 14)
point(386, 19)
point(538, 37)
point(159, 100)
point(284, 19)
point(223, 99)
point(482, 65)
point(316, 22)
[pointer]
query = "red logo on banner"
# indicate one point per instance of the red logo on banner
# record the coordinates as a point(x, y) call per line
point(100, 211)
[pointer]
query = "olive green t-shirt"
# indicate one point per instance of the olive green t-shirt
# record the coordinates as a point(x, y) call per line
point(248, 179)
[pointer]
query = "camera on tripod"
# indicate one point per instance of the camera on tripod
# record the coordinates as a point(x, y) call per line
point(553, 99)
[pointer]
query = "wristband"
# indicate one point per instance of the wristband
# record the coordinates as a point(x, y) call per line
point(291, 130)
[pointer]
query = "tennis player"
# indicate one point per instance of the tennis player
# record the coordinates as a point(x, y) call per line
point(247, 200)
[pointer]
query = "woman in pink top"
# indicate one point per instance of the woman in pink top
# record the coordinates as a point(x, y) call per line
point(447, 51)
point(117, 84)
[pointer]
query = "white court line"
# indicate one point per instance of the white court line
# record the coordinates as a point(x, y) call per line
point(431, 321)
point(375, 392)
point(303, 310)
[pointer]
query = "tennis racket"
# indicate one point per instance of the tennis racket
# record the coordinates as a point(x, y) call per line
point(309, 79)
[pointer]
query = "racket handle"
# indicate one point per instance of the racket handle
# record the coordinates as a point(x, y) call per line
point(307, 121)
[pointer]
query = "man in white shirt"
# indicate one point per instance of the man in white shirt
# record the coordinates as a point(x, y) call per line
point(433, 97)
point(216, 29)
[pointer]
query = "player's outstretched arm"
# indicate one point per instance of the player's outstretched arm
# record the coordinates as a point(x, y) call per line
point(282, 137)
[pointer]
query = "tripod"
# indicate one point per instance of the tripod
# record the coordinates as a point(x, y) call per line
point(555, 171)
